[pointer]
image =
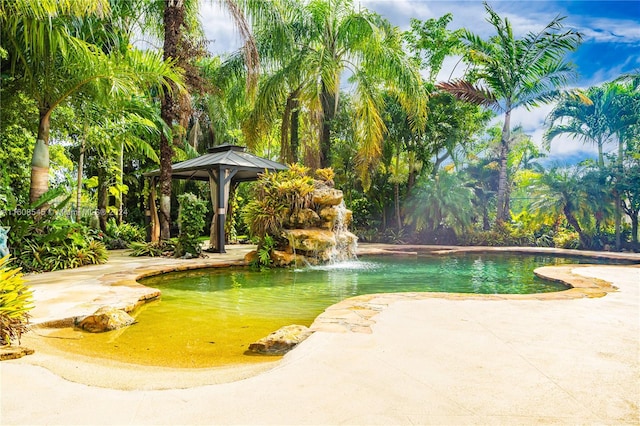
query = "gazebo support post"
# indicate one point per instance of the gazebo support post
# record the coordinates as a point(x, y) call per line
point(221, 178)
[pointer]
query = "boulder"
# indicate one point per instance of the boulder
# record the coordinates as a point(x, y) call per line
point(281, 341)
point(330, 215)
point(251, 257)
point(304, 218)
point(325, 196)
point(106, 319)
point(283, 258)
point(14, 352)
point(310, 240)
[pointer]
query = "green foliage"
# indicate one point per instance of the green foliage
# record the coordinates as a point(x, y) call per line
point(121, 236)
point(47, 242)
point(325, 175)
point(501, 235)
point(444, 200)
point(191, 220)
point(264, 252)
point(393, 236)
point(15, 303)
point(567, 239)
point(153, 248)
point(276, 197)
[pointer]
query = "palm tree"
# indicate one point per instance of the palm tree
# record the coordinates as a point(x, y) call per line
point(51, 65)
point(321, 39)
point(445, 199)
point(509, 73)
point(561, 192)
point(585, 117)
point(624, 123)
point(180, 25)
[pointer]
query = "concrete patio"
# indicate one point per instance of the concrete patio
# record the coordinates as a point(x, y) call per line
point(416, 359)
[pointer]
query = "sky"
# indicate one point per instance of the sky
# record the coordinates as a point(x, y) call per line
point(610, 47)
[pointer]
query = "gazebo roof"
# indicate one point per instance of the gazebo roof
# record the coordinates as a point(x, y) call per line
point(248, 166)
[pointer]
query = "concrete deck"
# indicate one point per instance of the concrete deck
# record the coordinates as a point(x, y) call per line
point(426, 359)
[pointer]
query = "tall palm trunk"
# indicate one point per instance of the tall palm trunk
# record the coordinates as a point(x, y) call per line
point(328, 101)
point(40, 159)
point(289, 139)
point(295, 130)
point(103, 194)
point(120, 180)
point(173, 20)
point(502, 214)
point(618, 201)
point(80, 170)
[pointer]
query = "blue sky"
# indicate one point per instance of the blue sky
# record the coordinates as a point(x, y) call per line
point(611, 44)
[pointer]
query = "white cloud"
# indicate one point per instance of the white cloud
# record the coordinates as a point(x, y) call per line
point(611, 30)
point(399, 12)
point(219, 29)
point(533, 124)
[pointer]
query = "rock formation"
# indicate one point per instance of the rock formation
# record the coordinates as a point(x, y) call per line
point(319, 233)
point(281, 341)
point(106, 319)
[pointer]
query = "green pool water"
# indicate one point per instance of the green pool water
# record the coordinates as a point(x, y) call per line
point(209, 317)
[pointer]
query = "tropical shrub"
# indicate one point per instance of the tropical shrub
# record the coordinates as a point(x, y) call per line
point(326, 176)
point(153, 248)
point(15, 303)
point(501, 235)
point(566, 239)
point(441, 200)
point(121, 236)
point(276, 197)
point(49, 243)
point(191, 220)
point(263, 258)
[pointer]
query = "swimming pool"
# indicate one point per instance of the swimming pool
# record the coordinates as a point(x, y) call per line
point(209, 317)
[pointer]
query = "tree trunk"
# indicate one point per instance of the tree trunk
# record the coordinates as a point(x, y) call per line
point(40, 159)
point(502, 214)
point(396, 193)
point(119, 181)
point(438, 163)
point(289, 128)
point(600, 153)
point(285, 126)
point(618, 224)
point(173, 20)
point(328, 101)
point(295, 130)
point(80, 169)
point(103, 197)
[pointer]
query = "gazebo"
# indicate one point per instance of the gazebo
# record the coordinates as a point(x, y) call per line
point(221, 166)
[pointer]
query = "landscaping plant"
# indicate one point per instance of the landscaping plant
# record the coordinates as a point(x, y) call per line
point(191, 219)
point(47, 242)
point(15, 302)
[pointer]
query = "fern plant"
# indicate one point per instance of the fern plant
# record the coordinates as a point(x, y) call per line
point(15, 303)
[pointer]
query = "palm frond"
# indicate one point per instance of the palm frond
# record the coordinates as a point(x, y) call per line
point(466, 91)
